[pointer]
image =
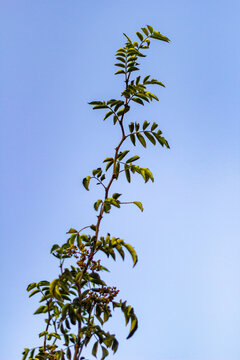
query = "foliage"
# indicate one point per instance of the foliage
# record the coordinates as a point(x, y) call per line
point(77, 304)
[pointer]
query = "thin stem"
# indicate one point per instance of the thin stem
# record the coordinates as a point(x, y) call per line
point(48, 324)
point(126, 202)
point(94, 177)
point(79, 347)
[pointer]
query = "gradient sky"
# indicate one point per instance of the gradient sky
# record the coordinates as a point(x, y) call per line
point(57, 55)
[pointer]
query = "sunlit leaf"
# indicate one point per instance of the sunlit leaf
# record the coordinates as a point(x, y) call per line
point(128, 176)
point(140, 36)
point(150, 137)
point(134, 326)
point(94, 349)
point(150, 28)
point(145, 124)
point(139, 205)
point(145, 30)
point(132, 159)
point(72, 231)
point(120, 72)
point(104, 352)
point(25, 353)
point(141, 139)
point(137, 100)
point(132, 252)
point(86, 182)
point(154, 126)
point(34, 292)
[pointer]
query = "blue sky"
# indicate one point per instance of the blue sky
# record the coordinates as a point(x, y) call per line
point(55, 57)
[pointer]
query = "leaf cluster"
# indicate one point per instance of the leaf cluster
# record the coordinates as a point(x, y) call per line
point(77, 304)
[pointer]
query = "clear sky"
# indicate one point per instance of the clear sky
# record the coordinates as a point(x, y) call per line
point(55, 57)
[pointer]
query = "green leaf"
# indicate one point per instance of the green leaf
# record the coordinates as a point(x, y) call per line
point(95, 103)
point(140, 36)
point(100, 107)
point(145, 30)
point(109, 164)
point(72, 231)
point(132, 159)
point(97, 172)
point(79, 242)
point(139, 205)
point(166, 144)
point(152, 96)
point(62, 355)
point(133, 139)
point(114, 345)
point(149, 174)
point(109, 113)
point(137, 100)
point(113, 202)
point(34, 292)
point(132, 68)
point(104, 352)
point(131, 58)
point(120, 251)
point(134, 326)
point(86, 182)
point(120, 58)
point(117, 168)
point(150, 28)
point(116, 195)
point(120, 65)
point(156, 82)
point(72, 315)
point(142, 96)
point(106, 315)
point(132, 252)
point(137, 126)
point(117, 104)
point(159, 138)
point(43, 333)
point(68, 353)
point(122, 154)
point(146, 79)
point(156, 35)
point(108, 159)
point(122, 50)
point(141, 139)
point(40, 310)
point(96, 204)
point(129, 40)
point(25, 353)
point(132, 64)
point(145, 124)
point(64, 311)
point(131, 127)
point(54, 247)
point(115, 119)
point(154, 126)
point(120, 72)
point(128, 176)
point(124, 110)
point(52, 286)
point(94, 349)
point(31, 286)
point(150, 137)
point(31, 355)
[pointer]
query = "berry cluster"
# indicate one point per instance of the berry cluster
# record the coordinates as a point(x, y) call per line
point(104, 295)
